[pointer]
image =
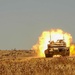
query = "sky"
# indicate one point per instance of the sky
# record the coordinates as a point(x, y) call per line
point(23, 21)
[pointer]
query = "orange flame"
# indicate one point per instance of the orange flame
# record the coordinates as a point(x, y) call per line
point(72, 50)
point(52, 35)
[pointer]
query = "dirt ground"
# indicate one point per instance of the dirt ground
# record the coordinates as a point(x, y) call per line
point(25, 62)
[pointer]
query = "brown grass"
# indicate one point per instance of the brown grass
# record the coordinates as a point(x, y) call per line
point(37, 66)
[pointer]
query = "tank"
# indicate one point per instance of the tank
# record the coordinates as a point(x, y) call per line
point(57, 48)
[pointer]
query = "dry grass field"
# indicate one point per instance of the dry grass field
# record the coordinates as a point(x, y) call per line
point(22, 62)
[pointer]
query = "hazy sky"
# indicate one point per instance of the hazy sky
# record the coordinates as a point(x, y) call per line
point(23, 21)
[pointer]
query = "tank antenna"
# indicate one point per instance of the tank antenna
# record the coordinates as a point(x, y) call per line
point(63, 36)
point(50, 36)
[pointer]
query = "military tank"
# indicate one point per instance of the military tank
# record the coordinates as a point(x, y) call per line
point(57, 48)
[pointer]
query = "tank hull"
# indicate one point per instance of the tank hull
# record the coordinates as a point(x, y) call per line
point(59, 51)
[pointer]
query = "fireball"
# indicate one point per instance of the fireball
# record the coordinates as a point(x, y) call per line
point(51, 35)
